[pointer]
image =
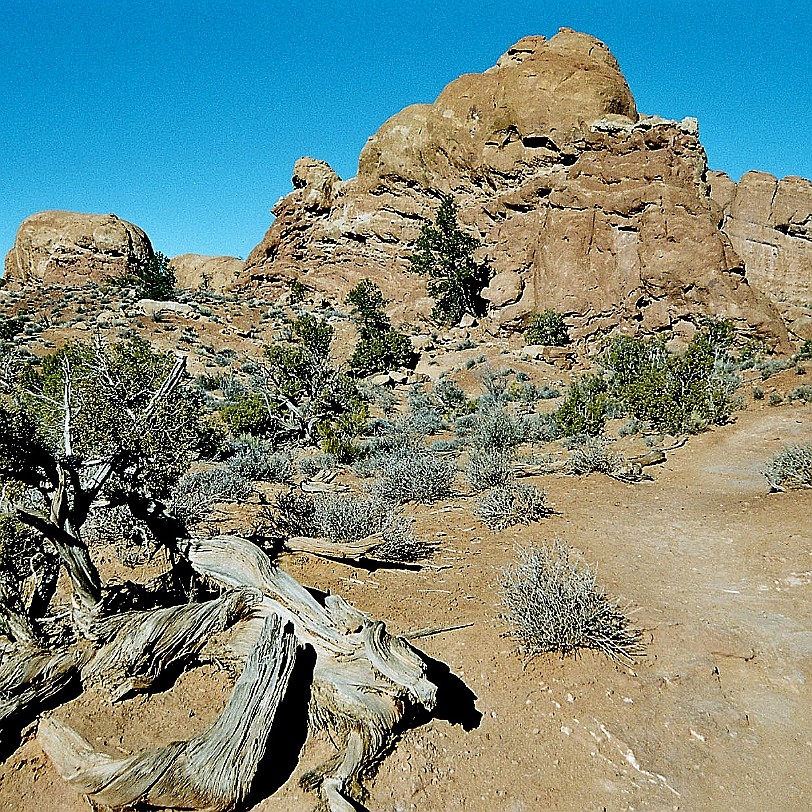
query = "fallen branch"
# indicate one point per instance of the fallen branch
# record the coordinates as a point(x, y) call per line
point(30, 679)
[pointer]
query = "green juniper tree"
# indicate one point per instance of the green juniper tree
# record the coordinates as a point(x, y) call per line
point(299, 394)
point(87, 424)
point(445, 254)
point(379, 347)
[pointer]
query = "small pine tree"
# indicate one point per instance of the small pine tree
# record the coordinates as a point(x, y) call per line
point(155, 279)
point(152, 279)
point(379, 347)
point(445, 253)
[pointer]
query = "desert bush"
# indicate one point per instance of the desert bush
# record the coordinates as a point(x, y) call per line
point(801, 393)
point(552, 603)
point(671, 392)
point(547, 392)
point(594, 456)
point(247, 415)
point(347, 517)
point(445, 253)
point(379, 347)
point(450, 399)
point(309, 467)
point(804, 352)
point(492, 428)
point(11, 326)
point(423, 421)
point(584, 408)
point(512, 503)
point(541, 428)
point(400, 544)
point(630, 427)
point(547, 328)
point(790, 468)
point(253, 460)
point(488, 469)
point(768, 367)
point(411, 474)
point(195, 493)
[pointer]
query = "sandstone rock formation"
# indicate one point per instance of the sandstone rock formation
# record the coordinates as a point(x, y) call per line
point(582, 204)
point(199, 272)
point(769, 222)
point(67, 248)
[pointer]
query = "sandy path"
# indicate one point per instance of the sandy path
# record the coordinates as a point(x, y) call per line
point(716, 716)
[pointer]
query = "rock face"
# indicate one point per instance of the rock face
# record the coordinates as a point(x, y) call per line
point(769, 222)
point(582, 205)
point(199, 272)
point(67, 248)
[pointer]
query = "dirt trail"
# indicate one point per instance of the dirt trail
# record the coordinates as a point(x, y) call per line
point(717, 715)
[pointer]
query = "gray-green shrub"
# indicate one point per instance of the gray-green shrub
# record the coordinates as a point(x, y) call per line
point(487, 469)
point(552, 603)
point(414, 475)
point(511, 504)
point(791, 468)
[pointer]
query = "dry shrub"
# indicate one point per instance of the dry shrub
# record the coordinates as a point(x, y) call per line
point(489, 469)
point(593, 456)
point(414, 475)
point(790, 468)
point(551, 602)
point(511, 504)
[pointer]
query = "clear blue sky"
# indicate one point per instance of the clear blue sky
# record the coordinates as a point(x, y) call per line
point(186, 117)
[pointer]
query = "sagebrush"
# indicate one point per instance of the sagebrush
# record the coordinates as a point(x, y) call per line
point(552, 603)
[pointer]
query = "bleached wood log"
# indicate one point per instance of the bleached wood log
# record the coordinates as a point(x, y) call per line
point(339, 550)
point(365, 680)
point(30, 678)
point(211, 772)
point(139, 647)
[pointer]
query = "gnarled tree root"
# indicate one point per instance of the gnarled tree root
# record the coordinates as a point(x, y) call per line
point(30, 679)
point(212, 771)
point(365, 680)
point(139, 647)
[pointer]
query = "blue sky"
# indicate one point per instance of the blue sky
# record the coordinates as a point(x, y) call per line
point(186, 117)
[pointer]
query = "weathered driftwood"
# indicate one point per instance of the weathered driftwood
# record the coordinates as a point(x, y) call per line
point(626, 470)
point(212, 771)
point(30, 679)
point(338, 550)
point(365, 680)
point(139, 647)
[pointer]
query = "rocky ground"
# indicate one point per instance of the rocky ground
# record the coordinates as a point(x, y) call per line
point(716, 569)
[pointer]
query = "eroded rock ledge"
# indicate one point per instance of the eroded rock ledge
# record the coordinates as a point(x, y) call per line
point(582, 204)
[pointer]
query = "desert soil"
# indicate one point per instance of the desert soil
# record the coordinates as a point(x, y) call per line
point(716, 715)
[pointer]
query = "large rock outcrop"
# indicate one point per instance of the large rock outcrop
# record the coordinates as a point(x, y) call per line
point(200, 272)
point(769, 222)
point(68, 248)
point(582, 204)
